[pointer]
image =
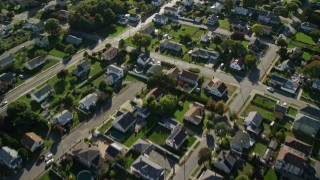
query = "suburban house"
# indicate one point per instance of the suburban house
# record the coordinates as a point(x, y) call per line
point(73, 40)
point(316, 84)
point(156, 2)
point(286, 64)
point(216, 7)
point(63, 14)
point(160, 19)
point(205, 38)
point(34, 63)
point(42, 40)
point(171, 11)
point(287, 85)
point(241, 10)
point(240, 142)
point(124, 122)
point(123, 21)
point(142, 111)
point(293, 156)
point(61, 3)
point(88, 156)
point(7, 60)
point(306, 124)
point(306, 26)
point(254, 44)
point(146, 169)
point(225, 162)
point(174, 73)
point(177, 137)
point(156, 92)
point(166, 44)
point(205, 54)
point(212, 20)
point(32, 141)
point(252, 122)
point(7, 79)
point(25, 3)
point(149, 30)
point(154, 69)
point(187, 2)
point(237, 64)
point(189, 77)
point(133, 17)
point(42, 93)
point(82, 68)
point(195, 113)
point(63, 117)
point(111, 79)
point(88, 101)
point(141, 146)
point(109, 54)
point(264, 16)
point(217, 88)
point(279, 111)
point(210, 175)
point(10, 158)
point(114, 150)
point(144, 59)
point(113, 69)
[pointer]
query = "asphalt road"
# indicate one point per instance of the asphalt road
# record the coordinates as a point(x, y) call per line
point(60, 147)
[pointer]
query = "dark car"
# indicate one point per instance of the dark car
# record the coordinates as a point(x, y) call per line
point(157, 48)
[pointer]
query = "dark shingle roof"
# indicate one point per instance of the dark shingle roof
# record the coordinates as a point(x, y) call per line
point(6, 77)
point(6, 60)
point(44, 90)
point(310, 111)
point(240, 138)
point(189, 75)
point(141, 146)
point(125, 120)
point(278, 78)
point(146, 166)
point(32, 63)
point(178, 135)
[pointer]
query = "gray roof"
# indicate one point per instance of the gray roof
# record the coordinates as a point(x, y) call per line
point(89, 100)
point(125, 120)
point(198, 52)
point(311, 111)
point(189, 75)
point(7, 59)
point(240, 138)
point(307, 24)
point(161, 17)
point(114, 69)
point(83, 150)
point(212, 18)
point(7, 77)
point(227, 159)
point(33, 62)
point(210, 175)
point(73, 39)
point(170, 45)
point(64, 117)
point(253, 117)
point(111, 79)
point(141, 146)
point(144, 57)
point(146, 166)
point(170, 8)
point(154, 69)
point(10, 156)
point(178, 135)
point(44, 90)
point(280, 108)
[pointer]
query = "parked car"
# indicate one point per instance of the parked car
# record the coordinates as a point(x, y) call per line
point(4, 103)
point(270, 89)
point(49, 157)
point(49, 162)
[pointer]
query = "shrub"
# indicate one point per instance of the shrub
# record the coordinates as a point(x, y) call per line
point(194, 70)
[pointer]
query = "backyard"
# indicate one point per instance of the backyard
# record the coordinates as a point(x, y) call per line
point(224, 24)
point(259, 148)
point(112, 31)
point(159, 135)
point(271, 174)
point(302, 37)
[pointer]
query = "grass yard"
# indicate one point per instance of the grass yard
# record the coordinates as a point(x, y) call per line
point(245, 43)
point(130, 78)
point(112, 31)
point(263, 101)
point(105, 125)
point(48, 143)
point(259, 148)
point(292, 111)
point(224, 24)
point(179, 114)
point(159, 135)
point(57, 53)
point(271, 175)
point(306, 56)
point(264, 113)
point(191, 140)
point(131, 157)
point(304, 38)
point(247, 169)
point(49, 175)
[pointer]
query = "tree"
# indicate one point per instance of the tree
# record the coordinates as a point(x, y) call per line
point(108, 45)
point(141, 40)
point(10, 14)
point(16, 107)
point(281, 42)
point(249, 3)
point(167, 105)
point(283, 52)
point(237, 35)
point(41, 53)
point(292, 6)
point(205, 154)
point(257, 28)
point(221, 107)
point(69, 49)
point(185, 38)
point(122, 44)
point(235, 47)
point(150, 102)
point(23, 152)
point(217, 39)
point(121, 160)
point(52, 26)
point(69, 101)
point(162, 81)
point(104, 87)
point(242, 177)
point(312, 69)
point(280, 136)
point(63, 74)
point(30, 121)
point(1, 6)
point(228, 5)
point(250, 59)
point(315, 34)
point(222, 129)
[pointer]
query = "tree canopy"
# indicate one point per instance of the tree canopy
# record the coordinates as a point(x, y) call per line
point(52, 26)
point(312, 69)
point(141, 40)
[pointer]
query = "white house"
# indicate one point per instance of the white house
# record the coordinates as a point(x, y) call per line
point(133, 17)
point(42, 93)
point(113, 69)
point(212, 20)
point(10, 158)
point(217, 88)
point(237, 64)
point(42, 40)
point(216, 7)
point(32, 141)
point(160, 19)
point(144, 59)
point(171, 11)
point(124, 122)
point(63, 117)
point(109, 54)
point(88, 101)
point(34, 63)
point(187, 2)
point(252, 122)
point(156, 2)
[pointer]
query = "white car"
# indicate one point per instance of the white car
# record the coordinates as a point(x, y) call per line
point(270, 89)
point(49, 162)
point(49, 157)
point(4, 103)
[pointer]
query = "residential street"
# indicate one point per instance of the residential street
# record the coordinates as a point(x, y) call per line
point(59, 146)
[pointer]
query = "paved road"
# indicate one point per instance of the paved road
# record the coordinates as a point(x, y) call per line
point(16, 49)
point(60, 147)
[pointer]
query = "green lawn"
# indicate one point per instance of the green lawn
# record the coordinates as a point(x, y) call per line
point(264, 113)
point(49, 175)
point(263, 101)
point(246, 170)
point(179, 114)
point(130, 78)
point(112, 31)
point(159, 135)
point(292, 111)
point(304, 38)
point(48, 143)
point(259, 148)
point(224, 24)
point(306, 56)
point(191, 140)
point(245, 43)
point(57, 53)
point(106, 125)
point(271, 175)
point(131, 157)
